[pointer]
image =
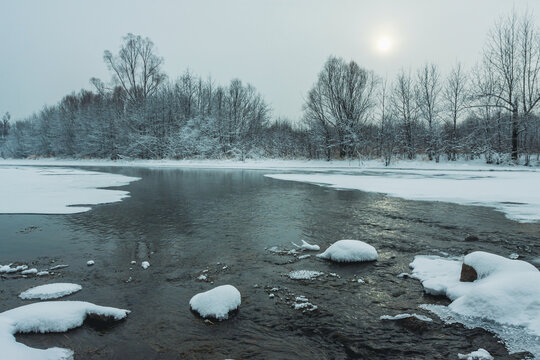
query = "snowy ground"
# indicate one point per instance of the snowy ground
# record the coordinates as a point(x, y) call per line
point(39, 190)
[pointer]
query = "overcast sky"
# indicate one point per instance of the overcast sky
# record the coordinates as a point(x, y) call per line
point(51, 48)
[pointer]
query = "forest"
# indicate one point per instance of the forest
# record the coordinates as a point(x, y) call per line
point(490, 111)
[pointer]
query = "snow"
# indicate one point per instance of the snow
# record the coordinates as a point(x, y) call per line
point(307, 246)
point(50, 291)
point(513, 192)
point(42, 273)
point(38, 190)
point(202, 277)
point(349, 251)
point(302, 257)
point(505, 299)
point(304, 274)
point(217, 302)
point(405, 316)
point(479, 354)
point(145, 265)
point(49, 316)
point(57, 267)
point(90, 262)
point(32, 271)
point(8, 269)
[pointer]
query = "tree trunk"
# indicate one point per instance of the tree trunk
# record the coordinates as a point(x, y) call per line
point(515, 128)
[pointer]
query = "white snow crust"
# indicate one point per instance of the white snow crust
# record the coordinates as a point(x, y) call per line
point(505, 299)
point(49, 316)
point(304, 274)
point(480, 354)
point(50, 291)
point(38, 190)
point(217, 302)
point(349, 251)
point(307, 246)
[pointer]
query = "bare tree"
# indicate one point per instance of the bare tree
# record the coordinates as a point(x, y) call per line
point(512, 59)
point(5, 125)
point(428, 100)
point(404, 109)
point(456, 99)
point(136, 68)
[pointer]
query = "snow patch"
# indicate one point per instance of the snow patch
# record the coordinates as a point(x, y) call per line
point(217, 302)
point(479, 354)
point(307, 246)
point(38, 190)
point(405, 316)
point(8, 269)
point(90, 262)
point(145, 265)
point(50, 291)
point(49, 316)
point(505, 299)
point(304, 274)
point(349, 251)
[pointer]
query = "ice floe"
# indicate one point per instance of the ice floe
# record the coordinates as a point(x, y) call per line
point(350, 251)
point(49, 316)
point(504, 298)
point(50, 291)
point(38, 190)
point(216, 303)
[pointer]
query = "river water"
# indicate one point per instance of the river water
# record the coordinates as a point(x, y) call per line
point(224, 224)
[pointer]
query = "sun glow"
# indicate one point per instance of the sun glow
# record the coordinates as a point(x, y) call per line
point(384, 44)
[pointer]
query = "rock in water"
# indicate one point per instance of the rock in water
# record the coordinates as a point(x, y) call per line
point(350, 251)
point(216, 303)
point(468, 274)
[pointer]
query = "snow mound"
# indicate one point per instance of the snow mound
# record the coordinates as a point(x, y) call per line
point(304, 274)
point(505, 298)
point(217, 302)
point(405, 316)
point(479, 354)
point(90, 262)
point(145, 265)
point(50, 291)
point(50, 316)
point(307, 246)
point(350, 251)
point(8, 269)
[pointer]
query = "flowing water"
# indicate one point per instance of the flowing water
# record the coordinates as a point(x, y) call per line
point(224, 224)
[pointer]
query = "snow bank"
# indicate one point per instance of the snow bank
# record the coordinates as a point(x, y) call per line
point(505, 299)
point(307, 246)
point(349, 251)
point(50, 316)
point(479, 354)
point(35, 190)
point(304, 274)
point(513, 192)
point(217, 302)
point(50, 291)
point(405, 316)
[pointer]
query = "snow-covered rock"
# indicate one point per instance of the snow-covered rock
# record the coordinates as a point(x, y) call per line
point(405, 316)
point(304, 274)
point(8, 269)
point(90, 262)
point(479, 354)
point(50, 291)
point(49, 316)
point(307, 246)
point(145, 265)
point(42, 273)
point(505, 298)
point(350, 251)
point(216, 303)
point(32, 271)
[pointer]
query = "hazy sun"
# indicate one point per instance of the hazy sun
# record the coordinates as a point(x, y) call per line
point(384, 44)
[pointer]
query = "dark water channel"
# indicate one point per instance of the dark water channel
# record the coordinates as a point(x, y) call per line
point(186, 221)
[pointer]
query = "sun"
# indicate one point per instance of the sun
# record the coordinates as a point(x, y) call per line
point(384, 44)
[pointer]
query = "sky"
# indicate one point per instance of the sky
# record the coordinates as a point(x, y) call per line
point(52, 48)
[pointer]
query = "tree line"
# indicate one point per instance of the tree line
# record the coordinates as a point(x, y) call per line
point(489, 112)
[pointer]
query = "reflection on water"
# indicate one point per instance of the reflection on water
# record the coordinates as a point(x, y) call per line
point(185, 221)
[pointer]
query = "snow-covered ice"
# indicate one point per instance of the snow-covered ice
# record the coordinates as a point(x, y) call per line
point(217, 302)
point(505, 298)
point(145, 265)
point(304, 274)
point(302, 257)
point(405, 316)
point(42, 273)
point(480, 354)
point(49, 316)
point(32, 271)
point(50, 291)
point(37, 190)
point(513, 192)
point(349, 251)
point(307, 246)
